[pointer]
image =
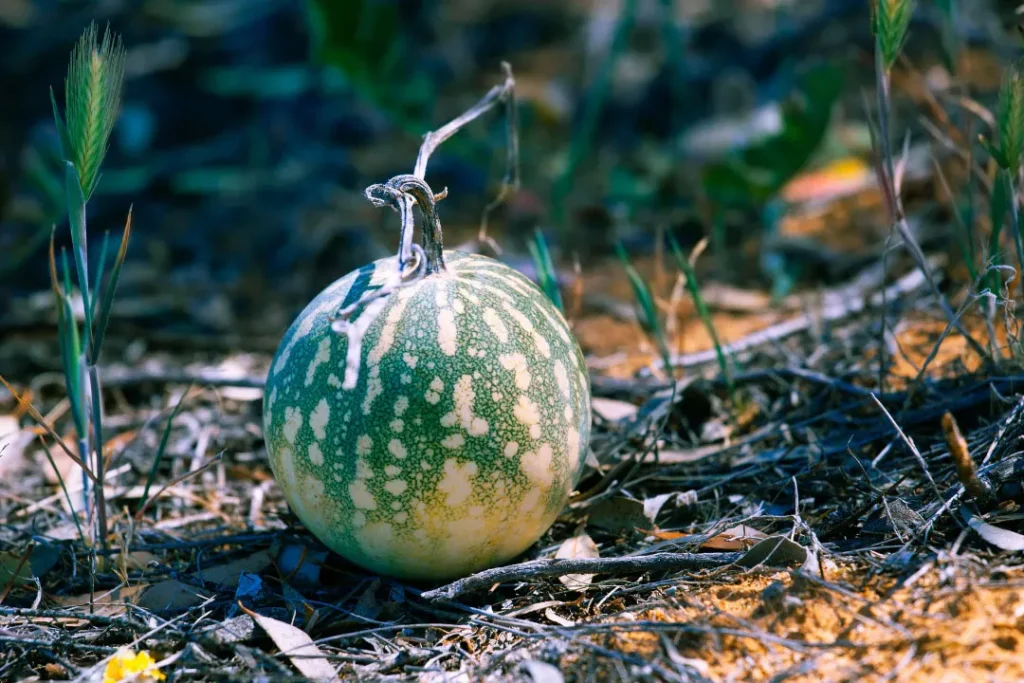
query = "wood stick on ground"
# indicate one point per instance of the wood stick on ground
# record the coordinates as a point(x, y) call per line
point(906, 285)
point(536, 569)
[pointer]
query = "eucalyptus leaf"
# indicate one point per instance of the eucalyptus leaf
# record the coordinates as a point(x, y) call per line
point(774, 551)
point(300, 648)
point(580, 546)
point(619, 515)
point(1003, 539)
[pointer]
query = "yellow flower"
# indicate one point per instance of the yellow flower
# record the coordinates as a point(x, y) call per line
point(129, 665)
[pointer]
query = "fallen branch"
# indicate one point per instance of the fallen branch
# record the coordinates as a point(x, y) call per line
point(536, 569)
point(839, 310)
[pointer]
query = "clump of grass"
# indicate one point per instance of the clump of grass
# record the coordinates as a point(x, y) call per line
point(693, 287)
point(647, 310)
point(92, 101)
point(547, 276)
point(890, 21)
point(1008, 152)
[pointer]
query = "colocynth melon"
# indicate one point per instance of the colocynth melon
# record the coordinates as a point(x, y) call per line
point(444, 439)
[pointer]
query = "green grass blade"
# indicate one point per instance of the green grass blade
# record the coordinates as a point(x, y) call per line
point(76, 215)
point(546, 275)
point(108, 294)
point(163, 447)
point(60, 309)
point(72, 347)
point(693, 287)
point(62, 130)
point(951, 43)
point(1015, 225)
point(579, 144)
point(649, 315)
point(97, 436)
point(999, 204)
point(100, 269)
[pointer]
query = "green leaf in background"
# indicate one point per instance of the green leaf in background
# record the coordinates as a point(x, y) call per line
point(756, 174)
point(364, 40)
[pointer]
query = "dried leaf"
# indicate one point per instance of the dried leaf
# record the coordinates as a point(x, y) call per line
point(997, 536)
point(577, 547)
point(249, 586)
point(663, 535)
point(774, 551)
point(368, 606)
point(619, 514)
point(298, 646)
point(555, 618)
point(612, 410)
point(542, 672)
point(739, 537)
point(63, 532)
point(13, 441)
point(170, 595)
point(67, 469)
point(140, 560)
point(652, 506)
point(109, 604)
point(238, 629)
point(227, 575)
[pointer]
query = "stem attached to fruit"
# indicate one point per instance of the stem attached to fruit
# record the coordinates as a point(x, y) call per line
point(415, 184)
point(400, 193)
point(433, 244)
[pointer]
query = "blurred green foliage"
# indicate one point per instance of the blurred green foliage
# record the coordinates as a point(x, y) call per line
point(365, 41)
point(754, 175)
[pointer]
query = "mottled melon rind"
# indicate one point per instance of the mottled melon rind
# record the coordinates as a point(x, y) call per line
point(463, 436)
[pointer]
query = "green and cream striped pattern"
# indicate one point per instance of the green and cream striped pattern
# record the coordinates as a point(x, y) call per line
point(460, 434)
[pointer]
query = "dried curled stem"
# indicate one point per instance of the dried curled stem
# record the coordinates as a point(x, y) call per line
point(402, 193)
point(396, 193)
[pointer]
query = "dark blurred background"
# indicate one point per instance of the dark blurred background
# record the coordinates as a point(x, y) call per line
point(250, 128)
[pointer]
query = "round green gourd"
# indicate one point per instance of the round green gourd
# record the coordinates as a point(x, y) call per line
point(446, 441)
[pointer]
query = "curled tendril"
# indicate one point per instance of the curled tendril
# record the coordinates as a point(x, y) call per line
point(394, 193)
point(402, 193)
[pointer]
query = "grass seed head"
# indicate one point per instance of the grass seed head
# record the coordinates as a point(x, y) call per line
point(1011, 119)
point(92, 94)
point(890, 20)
